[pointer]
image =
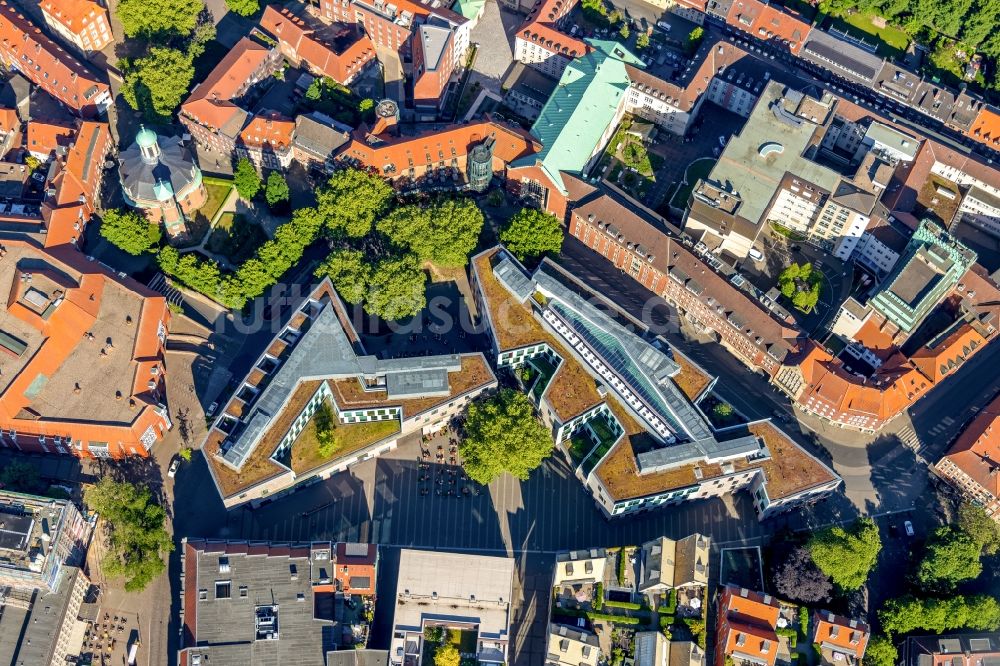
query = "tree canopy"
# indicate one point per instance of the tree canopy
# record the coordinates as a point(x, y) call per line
point(19, 477)
point(349, 271)
point(503, 434)
point(980, 612)
point(847, 555)
point(974, 521)
point(129, 231)
point(244, 7)
point(352, 200)
point(447, 655)
point(326, 434)
point(880, 652)
point(532, 233)
point(802, 285)
point(138, 539)
point(801, 580)
point(444, 233)
point(155, 18)
point(952, 556)
point(396, 288)
point(156, 83)
point(276, 191)
point(246, 179)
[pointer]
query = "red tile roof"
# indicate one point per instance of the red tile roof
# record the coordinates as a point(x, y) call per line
point(840, 633)
point(977, 449)
point(24, 46)
point(268, 130)
point(210, 104)
point(76, 15)
point(541, 28)
point(768, 23)
point(747, 622)
point(45, 137)
point(298, 40)
point(392, 155)
point(986, 127)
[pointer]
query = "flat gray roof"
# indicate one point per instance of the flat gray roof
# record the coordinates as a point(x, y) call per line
point(754, 173)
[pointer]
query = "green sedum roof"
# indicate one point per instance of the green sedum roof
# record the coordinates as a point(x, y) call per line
point(581, 108)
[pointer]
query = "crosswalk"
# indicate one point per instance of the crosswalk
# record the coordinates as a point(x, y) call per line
point(160, 285)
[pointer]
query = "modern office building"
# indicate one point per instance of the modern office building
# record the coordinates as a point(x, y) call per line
point(264, 442)
point(932, 264)
point(632, 436)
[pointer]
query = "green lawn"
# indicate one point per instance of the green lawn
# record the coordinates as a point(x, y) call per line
point(697, 170)
point(235, 237)
point(889, 41)
point(217, 191)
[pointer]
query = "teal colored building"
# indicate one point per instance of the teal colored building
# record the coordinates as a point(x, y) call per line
point(932, 264)
point(580, 117)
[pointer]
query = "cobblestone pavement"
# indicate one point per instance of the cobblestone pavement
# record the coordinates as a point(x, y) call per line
point(495, 46)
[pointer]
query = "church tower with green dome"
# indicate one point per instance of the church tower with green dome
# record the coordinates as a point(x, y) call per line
point(160, 176)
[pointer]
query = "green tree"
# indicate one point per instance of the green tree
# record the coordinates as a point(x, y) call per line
point(723, 410)
point(979, 612)
point(952, 556)
point(349, 271)
point(787, 280)
point(185, 453)
point(447, 655)
point(246, 179)
point(204, 32)
point(352, 200)
point(366, 108)
point(157, 82)
point(847, 555)
point(532, 233)
point(642, 41)
point(443, 233)
point(129, 231)
point(694, 39)
point(138, 540)
point(503, 434)
point(880, 652)
point(19, 477)
point(324, 424)
point(32, 162)
point(243, 7)
point(985, 531)
point(156, 18)
point(396, 288)
point(277, 190)
point(624, 31)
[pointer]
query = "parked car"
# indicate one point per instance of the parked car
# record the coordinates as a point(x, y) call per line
point(173, 468)
point(908, 526)
point(210, 412)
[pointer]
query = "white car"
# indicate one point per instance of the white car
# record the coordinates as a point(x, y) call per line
point(908, 526)
point(210, 412)
point(173, 468)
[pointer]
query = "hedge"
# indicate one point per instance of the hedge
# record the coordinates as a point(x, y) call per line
point(803, 621)
point(598, 602)
point(666, 621)
point(615, 619)
point(670, 607)
point(627, 605)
